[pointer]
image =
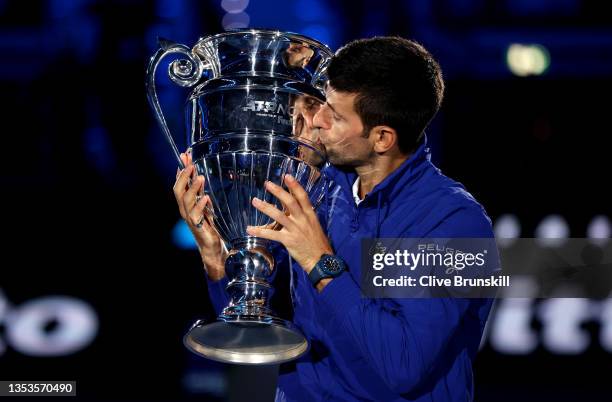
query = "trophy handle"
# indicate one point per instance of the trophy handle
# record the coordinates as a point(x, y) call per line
point(183, 72)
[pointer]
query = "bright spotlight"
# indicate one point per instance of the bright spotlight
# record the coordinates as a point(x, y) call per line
point(525, 60)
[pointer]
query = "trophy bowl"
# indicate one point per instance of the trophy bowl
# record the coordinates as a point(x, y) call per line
point(249, 120)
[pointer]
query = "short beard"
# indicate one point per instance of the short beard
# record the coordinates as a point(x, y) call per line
point(343, 160)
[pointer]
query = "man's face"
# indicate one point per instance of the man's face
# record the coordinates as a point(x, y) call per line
point(341, 130)
point(299, 54)
point(304, 109)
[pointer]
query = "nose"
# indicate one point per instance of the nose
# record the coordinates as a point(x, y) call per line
point(322, 118)
point(309, 114)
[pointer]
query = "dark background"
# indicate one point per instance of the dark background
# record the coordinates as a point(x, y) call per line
point(88, 211)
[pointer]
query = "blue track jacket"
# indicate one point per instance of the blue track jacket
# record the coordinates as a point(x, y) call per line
point(385, 349)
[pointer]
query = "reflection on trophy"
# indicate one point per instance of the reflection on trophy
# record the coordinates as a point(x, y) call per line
point(249, 118)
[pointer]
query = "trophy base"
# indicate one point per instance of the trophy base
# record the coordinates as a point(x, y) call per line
point(246, 340)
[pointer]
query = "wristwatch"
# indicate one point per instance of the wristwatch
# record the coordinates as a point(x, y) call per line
point(329, 266)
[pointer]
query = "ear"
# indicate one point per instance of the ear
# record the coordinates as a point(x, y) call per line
point(384, 137)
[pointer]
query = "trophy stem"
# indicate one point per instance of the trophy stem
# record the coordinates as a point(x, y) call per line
point(248, 331)
point(250, 267)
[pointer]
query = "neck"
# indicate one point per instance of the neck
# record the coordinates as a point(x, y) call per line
point(376, 170)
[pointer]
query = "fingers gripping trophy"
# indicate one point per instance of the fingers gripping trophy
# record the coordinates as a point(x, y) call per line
point(249, 114)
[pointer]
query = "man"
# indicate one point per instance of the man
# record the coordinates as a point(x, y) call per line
point(382, 94)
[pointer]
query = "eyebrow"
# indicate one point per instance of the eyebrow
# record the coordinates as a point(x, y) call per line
point(333, 109)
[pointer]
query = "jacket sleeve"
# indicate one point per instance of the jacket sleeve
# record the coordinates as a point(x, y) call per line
point(401, 339)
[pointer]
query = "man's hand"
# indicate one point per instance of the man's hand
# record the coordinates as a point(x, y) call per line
point(194, 212)
point(301, 231)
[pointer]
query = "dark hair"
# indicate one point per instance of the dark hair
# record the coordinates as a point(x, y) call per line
point(397, 81)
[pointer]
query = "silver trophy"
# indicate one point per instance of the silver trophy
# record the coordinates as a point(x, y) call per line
point(249, 118)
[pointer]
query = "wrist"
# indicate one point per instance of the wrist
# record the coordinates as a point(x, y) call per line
point(214, 275)
point(214, 270)
point(322, 283)
point(310, 263)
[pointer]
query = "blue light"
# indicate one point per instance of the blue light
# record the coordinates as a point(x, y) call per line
point(234, 6)
point(182, 237)
point(232, 21)
point(318, 32)
point(169, 8)
point(310, 10)
point(98, 149)
point(66, 8)
point(163, 30)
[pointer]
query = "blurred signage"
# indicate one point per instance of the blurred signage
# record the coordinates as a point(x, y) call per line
point(47, 326)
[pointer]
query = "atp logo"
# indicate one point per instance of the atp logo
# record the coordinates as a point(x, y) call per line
point(272, 107)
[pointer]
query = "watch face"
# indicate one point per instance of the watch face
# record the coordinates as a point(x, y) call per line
point(332, 265)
